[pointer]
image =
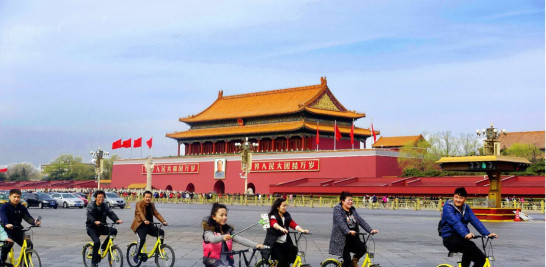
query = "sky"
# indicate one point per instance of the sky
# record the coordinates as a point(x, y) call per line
point(78, 75)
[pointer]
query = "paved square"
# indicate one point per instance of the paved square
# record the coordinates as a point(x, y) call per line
point(406, 238)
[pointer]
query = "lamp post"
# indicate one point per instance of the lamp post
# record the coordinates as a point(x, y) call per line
point(246, 149)
point(491, 144)
point(99, 156)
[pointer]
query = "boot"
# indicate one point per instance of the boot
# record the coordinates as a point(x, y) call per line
point(354, 263)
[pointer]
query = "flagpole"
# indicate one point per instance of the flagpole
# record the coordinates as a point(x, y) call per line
point(317, 136)
point(335, 137)
point(353, 133)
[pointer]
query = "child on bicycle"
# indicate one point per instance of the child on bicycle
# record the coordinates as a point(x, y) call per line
point(344, 239)
point(282, 247)
point(12, 214)
point(143, 224)
point(97, 211)
point(218, 238)
point(454, 229)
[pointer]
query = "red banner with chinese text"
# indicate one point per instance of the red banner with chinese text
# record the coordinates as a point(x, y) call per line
point(285, 165)
point(173, 168)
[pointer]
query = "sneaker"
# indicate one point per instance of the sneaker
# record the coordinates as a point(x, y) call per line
point(135, 258)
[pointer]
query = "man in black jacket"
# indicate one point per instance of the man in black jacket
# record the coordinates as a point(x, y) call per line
point(97, 211)
point(12, 214)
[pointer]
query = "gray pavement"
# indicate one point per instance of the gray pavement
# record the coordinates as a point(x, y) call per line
point(406, 238)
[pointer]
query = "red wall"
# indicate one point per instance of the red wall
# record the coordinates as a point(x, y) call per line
point(348, 163)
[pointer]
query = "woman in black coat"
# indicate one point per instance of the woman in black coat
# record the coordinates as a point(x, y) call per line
point(282, 247)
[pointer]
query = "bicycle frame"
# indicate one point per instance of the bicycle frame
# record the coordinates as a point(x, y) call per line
point(108, 246)
point(488, 258)
point(22, 255)
point(368, 256)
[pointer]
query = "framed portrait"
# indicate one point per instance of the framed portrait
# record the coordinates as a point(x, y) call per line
point(219, 168)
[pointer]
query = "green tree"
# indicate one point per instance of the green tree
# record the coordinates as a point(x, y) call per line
point(107, 165)
point(528, 151)
point(417, 156)
point(68, 167)
point(22, 172)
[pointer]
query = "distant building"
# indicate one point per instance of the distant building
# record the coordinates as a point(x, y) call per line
point(278, 120)
point(397, 142)
point(535, 138)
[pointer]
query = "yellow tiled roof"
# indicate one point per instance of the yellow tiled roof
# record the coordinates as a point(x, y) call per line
point(346, 114)
point(266, 128)
point(136, 186)
point(238, 130)
point(397, 141)
point(284, 101)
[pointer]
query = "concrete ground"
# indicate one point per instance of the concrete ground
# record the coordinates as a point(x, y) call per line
point(406, 238)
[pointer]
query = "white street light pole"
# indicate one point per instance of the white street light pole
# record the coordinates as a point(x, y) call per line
point(99, 156)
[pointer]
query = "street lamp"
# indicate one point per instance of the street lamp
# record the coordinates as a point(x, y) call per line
point(99, 155)
point(491, 144)
point(246, 150)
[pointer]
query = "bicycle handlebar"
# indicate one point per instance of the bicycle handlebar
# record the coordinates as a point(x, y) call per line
point(481, 236)
point(238, 252)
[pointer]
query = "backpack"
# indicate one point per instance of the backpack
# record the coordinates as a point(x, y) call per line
point(440, 226)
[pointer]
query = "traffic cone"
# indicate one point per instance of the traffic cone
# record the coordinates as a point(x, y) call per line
point(517, 219)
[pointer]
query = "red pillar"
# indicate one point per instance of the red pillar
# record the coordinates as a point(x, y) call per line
point(201, 148)
point(302, 143)
point(287, 143)
point(178, 149)
point(259, 147)
point(272, 144)
point(213, 147)
point(225, 150)
point(189, 149)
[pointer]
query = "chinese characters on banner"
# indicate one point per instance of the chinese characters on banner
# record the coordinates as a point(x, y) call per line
point(174, 168)
point(285, 165)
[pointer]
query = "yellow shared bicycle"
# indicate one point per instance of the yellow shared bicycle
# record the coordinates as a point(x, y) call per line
point(368, 257)
point(28, 257)
point(163, 254)
point(300, 259)
point(114, 253)
point(487, 247)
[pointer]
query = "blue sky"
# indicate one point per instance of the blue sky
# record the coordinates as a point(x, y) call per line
point(76, 75)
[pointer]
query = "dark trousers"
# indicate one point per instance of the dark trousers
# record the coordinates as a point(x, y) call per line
point(285, 253)
point(149, 229)
point(353, 244)
point(18, 237)
point(470, 251)
point(95, 233)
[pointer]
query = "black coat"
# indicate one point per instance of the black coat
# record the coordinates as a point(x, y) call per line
point(272, 234)
point(99, 213)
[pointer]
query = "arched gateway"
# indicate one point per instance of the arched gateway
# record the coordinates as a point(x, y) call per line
point(219, 187)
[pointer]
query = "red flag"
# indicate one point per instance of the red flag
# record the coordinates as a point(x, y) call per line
point(4, 170)
point(149, 143)
point(116, 144)
point(126, 143)
point(373, 132)
point(337, 132)
point(353, 133)
point(137, 142)
point(318, 139)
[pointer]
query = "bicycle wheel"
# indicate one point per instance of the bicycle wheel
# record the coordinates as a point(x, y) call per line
point(115, 259)
point(263, 263)
point(164, 256)
point(87, 254)
point(131, 252)
point(444, 265)
point(33, 259)
point(330, 263)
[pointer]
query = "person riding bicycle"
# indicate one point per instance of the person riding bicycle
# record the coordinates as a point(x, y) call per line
point(454, 229)
point(97, 211)
point(143, 224)
point(218, 238)
point(344, 238)
point(12, 214)
point(277, 238)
